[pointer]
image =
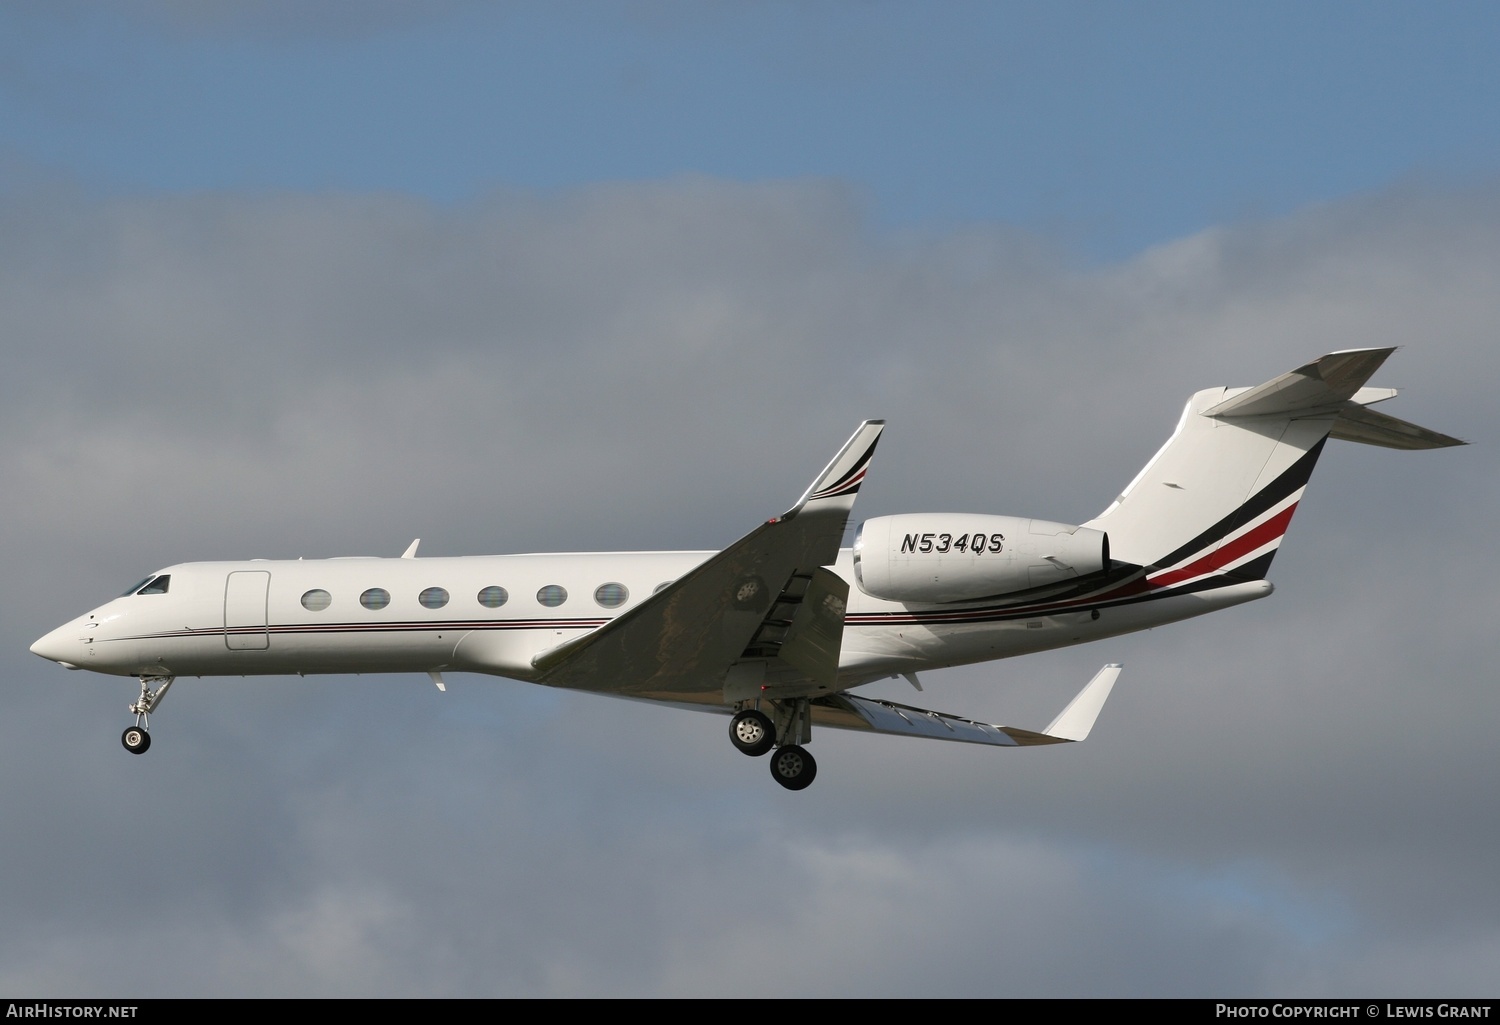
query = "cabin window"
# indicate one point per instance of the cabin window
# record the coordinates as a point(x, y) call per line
point(552, 595)
point(433, 598)
point(494, 596)
point(611, 595)
point(316, 600)
point(375, 598)
point(157, 585)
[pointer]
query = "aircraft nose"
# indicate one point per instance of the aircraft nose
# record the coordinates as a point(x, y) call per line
point(59, 646)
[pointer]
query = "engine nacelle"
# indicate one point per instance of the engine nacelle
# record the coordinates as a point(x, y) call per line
point(954, 557)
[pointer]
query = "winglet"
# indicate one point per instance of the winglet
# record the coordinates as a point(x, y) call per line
point(1075, 721)
point(842, 477)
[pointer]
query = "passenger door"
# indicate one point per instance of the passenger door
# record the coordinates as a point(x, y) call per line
point(245, 598)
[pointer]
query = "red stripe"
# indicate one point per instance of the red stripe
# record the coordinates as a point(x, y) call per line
point(839, 489)
point(1246, 543)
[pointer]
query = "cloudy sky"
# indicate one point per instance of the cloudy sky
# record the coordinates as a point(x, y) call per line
point(312, 279)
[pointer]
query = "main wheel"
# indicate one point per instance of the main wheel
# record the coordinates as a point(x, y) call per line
point(793, 767)
point(136, 740)
point(753, 732)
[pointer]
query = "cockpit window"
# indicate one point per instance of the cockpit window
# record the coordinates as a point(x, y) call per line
point(136, 586)
point(157, 585)
point(151, 585)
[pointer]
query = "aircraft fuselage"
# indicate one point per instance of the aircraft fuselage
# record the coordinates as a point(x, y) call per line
point(493, 614)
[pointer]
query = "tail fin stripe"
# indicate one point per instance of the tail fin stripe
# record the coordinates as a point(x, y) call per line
point(1291, 480)
point(1246, 544)
point(1233, 537)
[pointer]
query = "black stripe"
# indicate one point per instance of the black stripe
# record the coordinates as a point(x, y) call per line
point(418, 626)
point(842, 481)
point(1294, 477)
point(1255, 569)
point(859, 465)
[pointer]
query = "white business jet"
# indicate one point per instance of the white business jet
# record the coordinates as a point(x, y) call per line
point(779, 629)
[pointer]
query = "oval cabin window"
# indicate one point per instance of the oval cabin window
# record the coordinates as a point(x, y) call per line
point(611, 595)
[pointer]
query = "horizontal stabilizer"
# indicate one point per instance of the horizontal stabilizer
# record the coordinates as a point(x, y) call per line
point(1335, 383)
point(1324, 384)
point(845, 711)
point(1356, 423)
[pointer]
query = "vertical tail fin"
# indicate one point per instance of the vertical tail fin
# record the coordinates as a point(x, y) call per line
point(1218, 497)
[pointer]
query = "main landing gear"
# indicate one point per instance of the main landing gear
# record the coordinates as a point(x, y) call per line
point(754, 733)
point(137, 738)
point(793, 767)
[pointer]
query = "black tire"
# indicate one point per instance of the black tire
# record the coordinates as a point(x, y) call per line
point(793, 767)
point(136, 740)
point(752, 732)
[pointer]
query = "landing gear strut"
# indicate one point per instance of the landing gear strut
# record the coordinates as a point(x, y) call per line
point(137, 739)
point(791, 765)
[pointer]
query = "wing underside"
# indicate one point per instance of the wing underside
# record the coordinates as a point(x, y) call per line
point(850, 712)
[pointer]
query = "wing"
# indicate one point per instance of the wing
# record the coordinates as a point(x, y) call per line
point(763, 598)
point(845, 711)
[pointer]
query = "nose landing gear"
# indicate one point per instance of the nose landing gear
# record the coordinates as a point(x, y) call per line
point(137, 738)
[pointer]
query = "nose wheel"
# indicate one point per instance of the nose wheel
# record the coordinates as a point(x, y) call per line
point(136, 738)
